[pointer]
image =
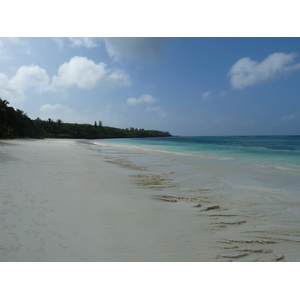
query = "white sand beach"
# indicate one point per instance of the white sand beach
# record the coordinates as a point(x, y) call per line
point(60, 202)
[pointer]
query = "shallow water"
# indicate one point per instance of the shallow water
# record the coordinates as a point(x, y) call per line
point(263, 169)
point(246, 187)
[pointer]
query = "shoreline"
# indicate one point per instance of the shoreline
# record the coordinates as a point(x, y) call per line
point(65, 200)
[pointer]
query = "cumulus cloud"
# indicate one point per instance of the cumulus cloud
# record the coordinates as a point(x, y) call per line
point(87, 42)
point(26, 77)
point(135, 48)
point(141, 100)
point(79, 71)
point(246, 72)
point(30, 76)
point(86, 74)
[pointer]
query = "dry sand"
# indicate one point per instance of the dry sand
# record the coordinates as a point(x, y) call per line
point(60, 202)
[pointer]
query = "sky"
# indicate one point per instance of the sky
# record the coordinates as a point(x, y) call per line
point(184, 85)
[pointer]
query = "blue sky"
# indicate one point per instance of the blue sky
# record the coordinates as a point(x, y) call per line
point(187, 86)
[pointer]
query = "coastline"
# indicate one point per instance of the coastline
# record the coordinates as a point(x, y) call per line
point(65, 200)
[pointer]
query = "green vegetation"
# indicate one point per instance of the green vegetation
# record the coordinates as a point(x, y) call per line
point(16, 124)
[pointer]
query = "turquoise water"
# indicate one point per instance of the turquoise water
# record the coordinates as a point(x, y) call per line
point(253, 169)
point(280, 149)
point(251, 178)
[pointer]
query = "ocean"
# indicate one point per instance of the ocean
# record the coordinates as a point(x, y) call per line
point(241, 162)
point(283, 149)
point(253, 178)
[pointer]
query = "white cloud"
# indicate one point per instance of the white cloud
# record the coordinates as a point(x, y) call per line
point(86, 74)
point(117, 78)
point(288, 117)
point(246, 72)
point(135, 48)
point(142, 99)
point(79, 71)
point(26, 77)
point(86, 42)
point(30, 76)
point(206, 95)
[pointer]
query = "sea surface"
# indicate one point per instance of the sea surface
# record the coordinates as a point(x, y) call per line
point(264, 169)
point(247, 187)
point(279, 149)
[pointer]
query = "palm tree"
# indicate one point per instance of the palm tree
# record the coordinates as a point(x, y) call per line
point(3, 107)
point(3, 103)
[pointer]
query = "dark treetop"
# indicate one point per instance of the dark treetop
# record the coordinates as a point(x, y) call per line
point(16, 124)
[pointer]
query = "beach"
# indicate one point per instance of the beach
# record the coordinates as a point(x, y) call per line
point(72, 200)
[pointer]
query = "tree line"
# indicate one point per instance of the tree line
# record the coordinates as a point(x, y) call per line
point(16, 124)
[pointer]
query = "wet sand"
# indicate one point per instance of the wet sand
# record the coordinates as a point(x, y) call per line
point(62, 200)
